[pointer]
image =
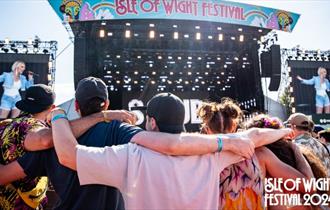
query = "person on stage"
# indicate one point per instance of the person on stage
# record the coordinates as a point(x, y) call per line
point(321, 85)
point(13, 82)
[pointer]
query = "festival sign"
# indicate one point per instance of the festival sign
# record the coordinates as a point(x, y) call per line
point(203, 10)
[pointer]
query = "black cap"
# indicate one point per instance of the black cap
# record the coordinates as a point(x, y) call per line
point(38, 98)
point(168, 111)
point(89, 88)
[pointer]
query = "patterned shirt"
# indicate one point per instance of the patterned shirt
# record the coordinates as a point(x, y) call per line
point(317, 147)
point(12, 136)
point(241, 186)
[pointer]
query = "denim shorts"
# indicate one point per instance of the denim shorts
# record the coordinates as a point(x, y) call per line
point(322, 101)
point(8, 102)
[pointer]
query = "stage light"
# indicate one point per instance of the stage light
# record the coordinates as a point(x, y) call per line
point(171, 73)
point(176, 35)
point(169, 82)
point(102, 33)
point(151, 65)
point(240, 29)
point(241, 38)
point(161, 35)
point(196, 80)
point(153, 73)
point(207, 66)
point(138, 57)
point(151, 25)
point(210, 37)
point(169, 57)
point(152, 34)
point(186, 36)
point(220, 37)
point(218, 58)
point(232, 38)
point(189, 66)
point(128, 24)
point(260, 30)
point(243, 66)
point(117, 72)
point(236, 59)
point(118, 81)
point(202, 82)
point(219, 28)
point(189, 72)
point(218, 82)
point(255, 39)
point(244, 58)
point(186, 82)
point(127, 34)
point(175, 26)
point(136, 35)
point(225, 66)
point(135, 82)
point(197, 27)
point(153, 82)
point(199, 58)
point(193, 88)
point(159, 57)
point(179, 58)
point(118, 56)
point(110, 34)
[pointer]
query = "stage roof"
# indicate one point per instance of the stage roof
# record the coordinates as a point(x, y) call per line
point(201, 10)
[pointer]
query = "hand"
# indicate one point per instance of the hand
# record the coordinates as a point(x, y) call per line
point(243, 146)
point(289, 135)
point(299, 78)
point(121, 115)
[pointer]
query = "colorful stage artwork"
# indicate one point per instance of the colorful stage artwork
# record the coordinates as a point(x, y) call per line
point(203, 10)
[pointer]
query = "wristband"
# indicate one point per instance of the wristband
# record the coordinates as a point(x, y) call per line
point(220, 143)
point(104, 117)
point(59, 116)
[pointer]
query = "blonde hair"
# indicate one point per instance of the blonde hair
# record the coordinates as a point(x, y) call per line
point(16, 64)
point(320, 69)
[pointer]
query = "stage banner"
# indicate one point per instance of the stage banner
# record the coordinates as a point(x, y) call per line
point(202, 10)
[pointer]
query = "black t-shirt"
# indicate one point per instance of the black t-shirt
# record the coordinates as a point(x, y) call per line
point(65, 180)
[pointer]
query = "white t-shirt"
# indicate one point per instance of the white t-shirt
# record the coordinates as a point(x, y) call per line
point(150, 180)
point(13, 91)
point(322, 90)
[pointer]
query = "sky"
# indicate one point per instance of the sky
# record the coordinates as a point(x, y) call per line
point(23, 19)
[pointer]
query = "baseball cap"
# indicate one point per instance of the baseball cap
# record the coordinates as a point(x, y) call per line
point(168, 111)
point(300, 120)
point(89, 88)
point(38, 98)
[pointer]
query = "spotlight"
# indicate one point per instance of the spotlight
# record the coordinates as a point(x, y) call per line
point(128, 24)
point(220, 37)
point(152, 34)
point(197, 27)
point(240, 29)
point(176, 35)
point(198, 36)
point(186, 36)
point(102, 33)
point(241, 38)
point(127, 34)
point(110, 34)
point(151, 25)
point(161, 35)
point(232, 38)
point(210, 37)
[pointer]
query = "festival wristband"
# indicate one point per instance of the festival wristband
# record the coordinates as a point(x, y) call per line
point(59, 116)
point(220, 143)
point(105, 117)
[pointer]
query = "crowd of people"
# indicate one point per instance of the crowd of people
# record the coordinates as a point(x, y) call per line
point(103, 161)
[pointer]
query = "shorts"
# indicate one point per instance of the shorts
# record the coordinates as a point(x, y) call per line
point(8, 102)
point(322, 101)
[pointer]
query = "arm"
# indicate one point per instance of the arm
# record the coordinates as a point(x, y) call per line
point(264, 136)
point(11, 172)
point(308, 81)
point(42, 138)
point(29, 82)
point(242, 143)
point(193, 143)
point(276, 168)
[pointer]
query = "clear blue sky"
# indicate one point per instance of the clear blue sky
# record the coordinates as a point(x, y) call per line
point(22, 19)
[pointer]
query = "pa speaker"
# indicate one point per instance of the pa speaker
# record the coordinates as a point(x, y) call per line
point(266, 64)
point(275, 78)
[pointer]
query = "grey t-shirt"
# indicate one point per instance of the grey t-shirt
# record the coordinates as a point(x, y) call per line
point(150, 180)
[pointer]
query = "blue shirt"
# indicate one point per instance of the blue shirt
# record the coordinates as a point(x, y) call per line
point(316, 81)
point(8, 80)
point(66, 182)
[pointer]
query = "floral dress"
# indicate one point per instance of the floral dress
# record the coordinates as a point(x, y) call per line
point(27, 193)
point(241, 186)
